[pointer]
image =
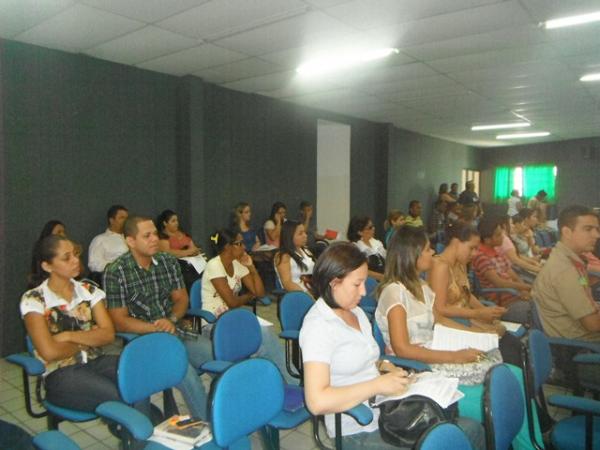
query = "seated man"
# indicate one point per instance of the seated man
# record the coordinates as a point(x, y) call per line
point(145, 293)
point(108, 246)
point(494, 271)
point(414, 214)
point(561, 289)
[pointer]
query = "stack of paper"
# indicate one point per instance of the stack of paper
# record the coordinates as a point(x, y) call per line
point(442, 390)
point(451, 339)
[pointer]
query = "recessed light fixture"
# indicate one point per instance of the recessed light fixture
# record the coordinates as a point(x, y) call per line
point(500, 126)
point(573, 20)
point(523, 135)
point(590, 77)
point(333, 62)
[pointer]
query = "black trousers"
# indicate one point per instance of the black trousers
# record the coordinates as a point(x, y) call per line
point(84, 386)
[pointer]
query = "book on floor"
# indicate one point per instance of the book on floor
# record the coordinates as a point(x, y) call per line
point(184, 429)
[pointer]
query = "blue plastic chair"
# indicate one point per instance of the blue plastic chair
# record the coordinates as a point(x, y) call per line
point(579, 432)
point(481, 292)
point(503, 407)
point(195, 307)
point(368, 303)
point(293, 308)
point(443, 436)
point(56, 440)
point(33, 367)
point(410, 364)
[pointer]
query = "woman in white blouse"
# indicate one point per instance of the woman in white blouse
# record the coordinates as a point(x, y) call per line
point(294, 262)
point(361, 231)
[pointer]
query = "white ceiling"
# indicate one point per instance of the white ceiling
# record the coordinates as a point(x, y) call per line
point(461, 62)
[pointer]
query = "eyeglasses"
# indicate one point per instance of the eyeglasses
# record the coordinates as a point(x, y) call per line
point(238, 243)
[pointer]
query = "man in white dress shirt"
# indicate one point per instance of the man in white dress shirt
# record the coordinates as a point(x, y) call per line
point(108, 246)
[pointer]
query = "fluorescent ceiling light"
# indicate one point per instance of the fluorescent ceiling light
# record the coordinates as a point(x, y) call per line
point(590, 77)
point(523, 135)
point(343, 60)
point(573, 20)
point(500, 126)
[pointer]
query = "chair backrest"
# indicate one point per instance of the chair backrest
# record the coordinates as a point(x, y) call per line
point(149, 364)
point(540, 358)
point(196, 294)
point(293, 308)
point(246, 397)
point(442, 436)
point(474, 282)
point(236, 335)
point(370, 286)
point(503, 407)
point(378, 337)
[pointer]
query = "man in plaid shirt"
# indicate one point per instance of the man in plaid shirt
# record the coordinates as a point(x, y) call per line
point(494, 271)
point(145, 293)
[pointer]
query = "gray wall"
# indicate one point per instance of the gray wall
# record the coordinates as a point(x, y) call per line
point(81, 134)
point(418, 164)
point(578, 163)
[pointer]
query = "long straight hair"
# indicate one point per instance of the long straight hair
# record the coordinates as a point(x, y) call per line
point(404, 249)
point(287, 247)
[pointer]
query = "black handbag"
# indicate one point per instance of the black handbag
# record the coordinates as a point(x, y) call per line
point(402, 422)
point(376, 263)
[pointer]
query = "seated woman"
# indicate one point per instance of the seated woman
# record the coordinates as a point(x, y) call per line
point(340, 353)
point(522, 236)
point(527, 266)
point(294, 263)
point(453, 298)
point(241, 219)
point(361, 231)
point(56, 227)
point(272, 226)
point(172, 239)
point(222, 282)
point(395, 220)
point(179, 244)
point(406, 315)
point(68, 324)
point(53, 227)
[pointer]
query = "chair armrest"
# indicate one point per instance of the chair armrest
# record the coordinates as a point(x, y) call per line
point(587, 358)
point(407, 363)
point(593, 273)
point(487, 303)
point(578, 404)
point(293, 335)
point(54, 440)
point(136, 423)
point(361, 413)
point(215, 366)
point(264, 300)
point(595, 347)
point(499, 291)
point(202, 313)
point(32, 366)
point(127, 337)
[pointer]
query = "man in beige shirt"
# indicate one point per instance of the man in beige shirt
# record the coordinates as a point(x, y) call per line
point(561, 289)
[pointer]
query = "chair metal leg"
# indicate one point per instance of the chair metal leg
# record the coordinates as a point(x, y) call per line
point(52, 421)
point(338, 432)
point(28, 400)
point(589, 431)
point(169, 403)
point(317, 437)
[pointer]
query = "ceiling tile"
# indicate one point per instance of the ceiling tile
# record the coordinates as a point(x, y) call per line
point(192, 60)
point(308, 29)
point(141, 45)
point(367, 14)
point(78, 28)
point(148, 11)
point(544, 10)
point(17, 16)
point(507, 14)
point(238, 70)
point(263, 83)
point(477, 43)
point(225, 17)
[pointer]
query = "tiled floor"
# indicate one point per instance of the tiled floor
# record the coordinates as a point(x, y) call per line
point(95, 435)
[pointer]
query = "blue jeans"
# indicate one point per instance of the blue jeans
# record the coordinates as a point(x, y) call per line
point(199, 349)
point(518, 311)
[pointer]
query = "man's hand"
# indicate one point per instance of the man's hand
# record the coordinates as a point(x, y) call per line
point(164, 325)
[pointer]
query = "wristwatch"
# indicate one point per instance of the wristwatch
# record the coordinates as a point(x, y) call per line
point(173, 318)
